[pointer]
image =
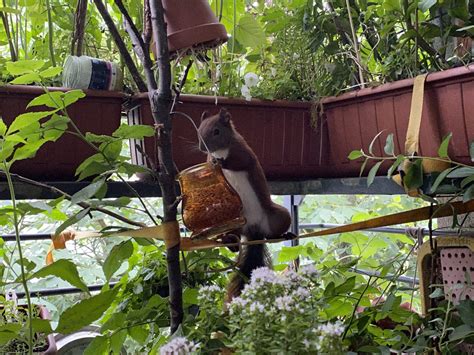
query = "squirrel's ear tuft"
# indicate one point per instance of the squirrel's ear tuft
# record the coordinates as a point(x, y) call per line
point(204, 115)
point(224, 115)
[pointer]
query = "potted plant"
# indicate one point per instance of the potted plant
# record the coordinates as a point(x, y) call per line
point(313, 52)
point(13, 318)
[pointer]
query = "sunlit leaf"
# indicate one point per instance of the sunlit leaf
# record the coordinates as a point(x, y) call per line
point(65, 270)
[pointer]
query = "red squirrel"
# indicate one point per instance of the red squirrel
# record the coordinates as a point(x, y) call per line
point(264, 218)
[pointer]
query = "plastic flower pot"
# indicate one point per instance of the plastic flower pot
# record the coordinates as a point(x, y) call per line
point(99, 112)
point(279, 132)
point(192, 24)
point(355, 118)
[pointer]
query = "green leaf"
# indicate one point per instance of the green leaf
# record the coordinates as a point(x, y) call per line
point(471, 151)
point(469, 194)
point(111, 150)
point(134, 132)
point(87, 192)
point(26, 79)
point(425, 5)
point(438, 292)
point(98, 346)
point(289, 253)
point(139, 334)
point(249, 33)
point(467, 181)
point(117, 255)
point(440, 179)
point(190, 296)
point(28, 150)
point(24, 66)
point(52, 99)
point(73, 96)
point(65, 270)
point(41, 326)
point(117, 340)
point(461, 172)
point(26, 119)
point(115, 321)
point(51, 72)
point(373, 173)
point(395, 165)
point(96, 138)
point(461, 332)
point(355, 154)
point(389, 146)
point(72, 220)
point(3, 127)
point(443, 148)
point(85, 312)
point(347, 286)
point(414, 175)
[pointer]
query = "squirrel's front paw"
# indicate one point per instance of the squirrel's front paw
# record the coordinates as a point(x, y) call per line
point(230, 239)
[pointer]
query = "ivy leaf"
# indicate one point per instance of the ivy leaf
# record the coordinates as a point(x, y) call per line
point(134, 132)
point(85, 312)
point(389, 147)
point(355, 154)
point(117, 255)
point(443, 148)
point(65, 270)
point(87, 192)
point(372, 173)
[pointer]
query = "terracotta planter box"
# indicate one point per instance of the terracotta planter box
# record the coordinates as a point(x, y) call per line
point(99, 112)
point(355, 118)
point(290, 148)
point(279, 132)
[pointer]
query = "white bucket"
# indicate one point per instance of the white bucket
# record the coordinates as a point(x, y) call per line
point(91, 73)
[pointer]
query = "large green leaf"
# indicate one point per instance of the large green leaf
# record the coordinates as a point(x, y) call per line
point(65, 270)
point(443, 148)
point(373, 173)
point(28, 150)
point(425, 5)
point(98, 346)
point(249, 33)
point(87, 192)
point(52, 99)
point(117, 255)
point(26, 119)
point(85, 312)
point(72, 220)
point(134, 132)
point(24, 66)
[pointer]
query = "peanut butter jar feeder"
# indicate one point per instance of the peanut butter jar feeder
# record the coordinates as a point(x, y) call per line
point(210, 205)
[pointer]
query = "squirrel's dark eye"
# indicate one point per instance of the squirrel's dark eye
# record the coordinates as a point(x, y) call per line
point(216, 132)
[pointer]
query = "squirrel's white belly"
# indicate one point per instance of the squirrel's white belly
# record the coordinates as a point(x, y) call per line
point(252, 209)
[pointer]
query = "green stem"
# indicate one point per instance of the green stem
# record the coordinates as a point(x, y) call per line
point(354, 310)
point(50, 33)
point(20, 252)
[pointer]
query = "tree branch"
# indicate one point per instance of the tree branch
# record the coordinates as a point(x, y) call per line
point(141, 48)
point(55, 190)
point(79, 28)
point(160, 101)
point(121, 46)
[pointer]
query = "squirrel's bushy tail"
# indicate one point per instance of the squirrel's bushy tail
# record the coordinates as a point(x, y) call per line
point(253, 256)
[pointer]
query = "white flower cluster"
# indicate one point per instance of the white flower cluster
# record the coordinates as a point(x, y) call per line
point(251, 80)
point(309, 270)
point(331, 329)
point(209, 292)
point(179, 346)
